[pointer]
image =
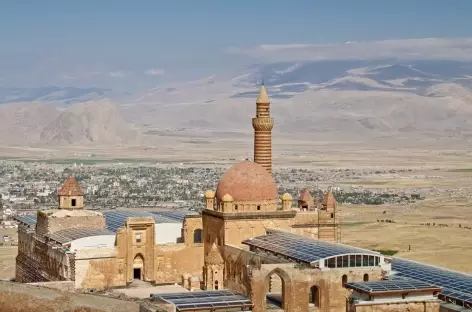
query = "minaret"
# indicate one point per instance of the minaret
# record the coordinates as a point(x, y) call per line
point(263, 125)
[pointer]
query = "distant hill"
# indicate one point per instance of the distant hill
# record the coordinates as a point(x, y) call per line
point(336, 99)
point(59, 96)
point(23, 122)
point(84, 123)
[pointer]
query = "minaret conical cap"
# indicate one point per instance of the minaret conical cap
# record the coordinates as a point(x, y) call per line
point(263, 98)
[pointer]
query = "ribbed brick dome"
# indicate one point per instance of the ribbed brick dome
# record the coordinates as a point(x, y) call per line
point(247, 181)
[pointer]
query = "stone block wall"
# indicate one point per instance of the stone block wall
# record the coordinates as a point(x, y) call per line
point(175, 260)
point(192, 230)
point(299, 284)
point(49, 224)
point(38, 262)
point(98, 269)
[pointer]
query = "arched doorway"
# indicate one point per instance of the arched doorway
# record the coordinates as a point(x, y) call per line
point(216, 285)
point(315, 296)
point(344, 281)
point(276, 291)
point(138, 267)
point(366, 277)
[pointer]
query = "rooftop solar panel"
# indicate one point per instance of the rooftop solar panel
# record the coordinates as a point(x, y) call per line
point(29, 219)
point(396, 285)
point(116, 219)
point(178, 215)
point(301, 248)
point(205, 300)
point(68, 235)
point(455, 285)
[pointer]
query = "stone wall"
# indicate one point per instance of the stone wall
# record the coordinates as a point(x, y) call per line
point(232, 230)
point(50, 221)
point(65, 202)
point(398, 307)
point(299, 284)
point(39, 262)
point(175, 260)
point(27, 298)
point(99, 269)
point(192, 230)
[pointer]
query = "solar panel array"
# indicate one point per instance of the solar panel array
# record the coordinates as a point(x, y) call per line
point(394, 285)
point(29, 219)
point(178, 215)
point(301, 248)
point(68, 235)
point(116, 219)
point(454, 285)
point(205, 300)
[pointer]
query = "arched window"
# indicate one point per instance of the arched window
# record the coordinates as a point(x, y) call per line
point(344, 279)
point(197, 236)
point(366, 277)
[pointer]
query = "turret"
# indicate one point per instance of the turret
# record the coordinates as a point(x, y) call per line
point(71, 195)
point(210, 199)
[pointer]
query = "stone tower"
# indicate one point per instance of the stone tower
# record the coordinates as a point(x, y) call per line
point(213, 276)
point(263, 125)
point(71, 195)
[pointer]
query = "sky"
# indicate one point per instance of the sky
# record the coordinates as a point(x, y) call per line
point(138, 44)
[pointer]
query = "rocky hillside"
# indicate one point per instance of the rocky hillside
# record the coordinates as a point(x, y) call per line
point(84, 123)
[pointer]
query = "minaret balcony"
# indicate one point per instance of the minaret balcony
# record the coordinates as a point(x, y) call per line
point(263, 123)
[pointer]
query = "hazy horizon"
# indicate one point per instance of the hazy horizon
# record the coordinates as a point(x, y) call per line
point(131, 47)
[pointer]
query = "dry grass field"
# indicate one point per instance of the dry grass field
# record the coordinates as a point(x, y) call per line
point(447, 243)
point(7, 255)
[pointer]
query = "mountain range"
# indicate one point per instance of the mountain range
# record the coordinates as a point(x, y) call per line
point(338, 99)
point(96, 122)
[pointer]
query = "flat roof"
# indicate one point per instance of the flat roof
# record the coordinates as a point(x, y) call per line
point(205, 300)
point(303, 249)
point(67, 235)
point(456, 286)
point(392, 286)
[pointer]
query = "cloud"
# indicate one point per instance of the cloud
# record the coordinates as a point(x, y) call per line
point(406, 49)
point(116, 74)
point(154, 72)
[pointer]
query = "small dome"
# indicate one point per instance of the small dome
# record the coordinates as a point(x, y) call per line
point(227, 198)
point(247, 181)
point(287, 196)
point(209, 194)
